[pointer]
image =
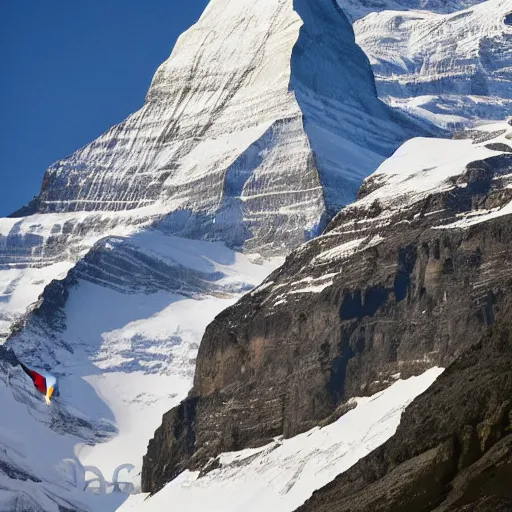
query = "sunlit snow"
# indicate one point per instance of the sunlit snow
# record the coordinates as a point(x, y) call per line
point(280, 476)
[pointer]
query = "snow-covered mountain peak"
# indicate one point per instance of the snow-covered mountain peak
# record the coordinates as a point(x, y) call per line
point(255, 132)
point(248, 136)
point(248, 118)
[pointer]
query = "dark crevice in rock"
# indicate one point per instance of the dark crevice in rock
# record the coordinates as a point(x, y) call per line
point(360, 304)
point(499, 146)
point(335, 385)
point(406, 262)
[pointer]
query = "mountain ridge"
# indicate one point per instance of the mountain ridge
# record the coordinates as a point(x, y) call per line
point(357, 9)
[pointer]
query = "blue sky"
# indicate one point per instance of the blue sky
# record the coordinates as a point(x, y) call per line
point(70, 69)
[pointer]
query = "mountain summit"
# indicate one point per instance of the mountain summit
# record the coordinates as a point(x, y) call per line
point(255, 132)
point(259, 127)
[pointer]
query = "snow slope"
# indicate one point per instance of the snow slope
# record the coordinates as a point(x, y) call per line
point(282, 475)
point(39, 248)
point(36, 468)
point(423, 166)
point(124, 351)
point(452, 69)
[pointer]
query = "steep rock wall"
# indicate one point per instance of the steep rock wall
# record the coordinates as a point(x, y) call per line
point(405, 279)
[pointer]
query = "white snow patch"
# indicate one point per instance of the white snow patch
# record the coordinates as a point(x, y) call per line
point(282, 475)
point(479, 217)
point(312, 289)
point(339, 252)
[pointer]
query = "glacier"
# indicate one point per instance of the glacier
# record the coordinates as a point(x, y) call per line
point(123, 348)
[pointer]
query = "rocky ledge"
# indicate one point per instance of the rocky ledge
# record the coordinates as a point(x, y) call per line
point(408, 277)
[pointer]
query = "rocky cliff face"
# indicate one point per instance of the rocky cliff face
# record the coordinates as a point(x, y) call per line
point(408, 277)
point(453, 448)
point(452, 69)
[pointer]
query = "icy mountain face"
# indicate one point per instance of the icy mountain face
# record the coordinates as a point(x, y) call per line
point(121, 332)
point(244, 128)
point(404, 279)
point(452, 69)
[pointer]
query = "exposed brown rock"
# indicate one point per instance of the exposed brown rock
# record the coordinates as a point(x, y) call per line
point(410, 296)
point(452, 450)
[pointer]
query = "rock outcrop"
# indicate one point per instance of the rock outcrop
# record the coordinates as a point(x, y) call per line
point(453, 448)
point(406, 278)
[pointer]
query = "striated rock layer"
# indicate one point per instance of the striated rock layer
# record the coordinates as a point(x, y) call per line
point(406, 278)
point(255, 121)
